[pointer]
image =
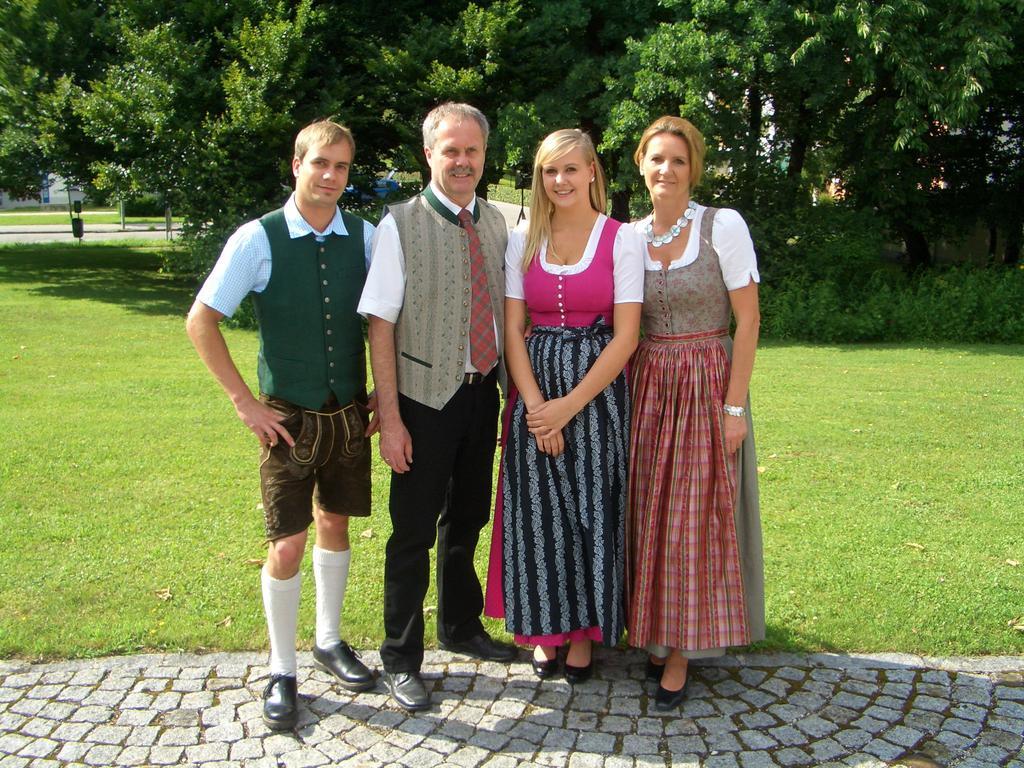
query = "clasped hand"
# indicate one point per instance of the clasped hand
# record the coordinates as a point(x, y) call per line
point(546, 421)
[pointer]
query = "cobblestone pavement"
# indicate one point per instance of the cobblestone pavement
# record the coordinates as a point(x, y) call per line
point(749, 711)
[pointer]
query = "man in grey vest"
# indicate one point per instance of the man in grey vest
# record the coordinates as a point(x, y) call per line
point(305, 265)
point(435, 298)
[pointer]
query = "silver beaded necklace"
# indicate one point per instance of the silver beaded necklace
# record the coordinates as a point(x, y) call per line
point(674, 231)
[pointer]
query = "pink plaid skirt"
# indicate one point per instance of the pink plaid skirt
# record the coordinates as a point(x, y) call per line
point(684, 580)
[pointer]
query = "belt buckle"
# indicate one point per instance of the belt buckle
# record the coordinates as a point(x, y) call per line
point(473, 378)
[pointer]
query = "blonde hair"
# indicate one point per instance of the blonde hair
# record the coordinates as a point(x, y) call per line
point(685, 130)
point(554, 146)
point(322, 133)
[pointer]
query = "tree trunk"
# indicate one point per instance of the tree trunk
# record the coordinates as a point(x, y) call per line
point(918, 254)
point(620, 205)
point(1013, 237)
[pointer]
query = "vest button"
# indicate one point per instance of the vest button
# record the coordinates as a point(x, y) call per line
point(325, 282)
point(329, 331)
point(331, 380)
point(462, 347)
point(465, 303)
point(332, 365)
point(323, 266)
point(327, 299)
point(328, 317)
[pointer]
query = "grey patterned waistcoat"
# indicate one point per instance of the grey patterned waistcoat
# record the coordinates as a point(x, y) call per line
point(433, 327)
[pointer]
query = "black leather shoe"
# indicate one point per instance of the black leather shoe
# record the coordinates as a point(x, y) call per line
point(666, 700)
point(654, 671)
point(407, 690)
point(342, 662)
point(576, 675)
point(483, 646)
point(281, 703)
point(545, 668)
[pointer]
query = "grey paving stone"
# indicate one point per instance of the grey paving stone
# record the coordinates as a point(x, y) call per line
point(179, 737)
point(142, 736)
point(133, 756)
point(227, 732)
point(721, 761)
point(851, 700)
point(30, 707)
point(826, 749)
point(39, 748)
point(603, 743)
point(788, 735)
point(758, 759)
point(815, 726)
point(639, 745)
point(134, 717)
point(965, 727)
point(853, 738)
point(206, 753)
point(73, 751)
point(758, 698)
point(102, 754)
point(37, 727)
point(884, 713)
point(108, 734)
point(246, 749)
point(756, 720)
point(685, 745)
point(165, 755)
point(10, 743)
point(882, 749)
point(757, 740)
point(616, 724)
point(792, 756)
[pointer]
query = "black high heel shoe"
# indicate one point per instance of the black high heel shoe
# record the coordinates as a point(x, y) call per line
point(654, 671)
point(666, 700)
point(546, 668)
point(575, 675)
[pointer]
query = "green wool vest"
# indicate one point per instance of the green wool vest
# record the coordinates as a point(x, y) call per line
point(311, 338)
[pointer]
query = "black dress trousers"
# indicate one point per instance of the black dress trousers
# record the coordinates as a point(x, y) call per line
point(447, 493)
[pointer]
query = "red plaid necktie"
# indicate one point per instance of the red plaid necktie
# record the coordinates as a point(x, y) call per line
point(483, 353)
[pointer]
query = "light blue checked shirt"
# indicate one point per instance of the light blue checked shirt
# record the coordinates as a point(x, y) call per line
point(244, 264)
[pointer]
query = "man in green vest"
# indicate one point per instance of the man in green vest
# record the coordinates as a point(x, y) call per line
point(305, 265)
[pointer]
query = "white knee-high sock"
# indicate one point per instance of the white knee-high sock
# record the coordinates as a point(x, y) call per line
point(330, 570)
point(281, 604)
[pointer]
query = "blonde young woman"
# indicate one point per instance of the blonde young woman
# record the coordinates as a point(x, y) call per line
point(696, 582)
point(579, 276)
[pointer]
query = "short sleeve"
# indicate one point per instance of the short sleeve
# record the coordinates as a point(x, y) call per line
point(731, 240)
point(368, 230)
point(384, 290)
point(514, 263)
point(628, 260)
point(242, 267)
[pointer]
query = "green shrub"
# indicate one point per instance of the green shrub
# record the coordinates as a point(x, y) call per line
point(961, 304)
point(144, 205)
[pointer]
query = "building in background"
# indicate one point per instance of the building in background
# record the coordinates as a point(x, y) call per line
point(53, 192)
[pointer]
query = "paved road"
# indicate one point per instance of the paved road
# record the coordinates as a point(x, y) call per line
point(746, 711)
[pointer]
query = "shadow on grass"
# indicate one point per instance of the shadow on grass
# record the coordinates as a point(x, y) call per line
point(126, 275)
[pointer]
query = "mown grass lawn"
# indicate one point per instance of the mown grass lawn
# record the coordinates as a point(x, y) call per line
point(892, 483)
point(29, 219)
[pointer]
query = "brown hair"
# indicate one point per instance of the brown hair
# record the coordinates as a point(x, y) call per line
point(686, 131)
point(322, 133)
point(554, 146)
